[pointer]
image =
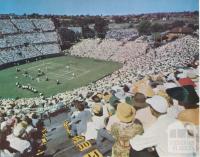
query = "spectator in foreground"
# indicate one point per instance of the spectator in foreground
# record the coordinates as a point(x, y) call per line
point(79, 123)
point(157, 136)
point(5, 149)
point(100, 113)
point(188, 99)
point(125, 130)
point(17, 140)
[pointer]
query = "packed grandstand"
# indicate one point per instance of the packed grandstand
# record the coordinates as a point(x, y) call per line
point(131, 109)
point(22, 39)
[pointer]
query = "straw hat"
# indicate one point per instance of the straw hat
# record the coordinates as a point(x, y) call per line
point(24, 124)
point(107, 97)
point(189, 115)
point(97, 108)
point(142, 86)
point(125, 112)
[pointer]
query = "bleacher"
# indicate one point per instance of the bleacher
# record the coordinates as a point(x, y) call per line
point(82, 147)
point(22, 39)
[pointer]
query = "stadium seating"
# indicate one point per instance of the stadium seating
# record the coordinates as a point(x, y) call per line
point(27, 38)
point(6, 27)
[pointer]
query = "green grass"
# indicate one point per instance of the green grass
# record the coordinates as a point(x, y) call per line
point(85, 71)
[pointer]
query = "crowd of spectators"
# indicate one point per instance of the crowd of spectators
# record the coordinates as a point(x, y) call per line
point(33, 38)
point(154, 89)
point(20, 134)
point(122, 34)
point(108, 49)
point(26, 52)
point(10, 26)
point(26, 38)
point(138, 119)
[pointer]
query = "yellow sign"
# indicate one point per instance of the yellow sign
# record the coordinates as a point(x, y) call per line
point(94, 153)
point(44, 130)
point(83, 146)
point(78, 139)
point(44, 141)
point(66, 126)
point(39, 152)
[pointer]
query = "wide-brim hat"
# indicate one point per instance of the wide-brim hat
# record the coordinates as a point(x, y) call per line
point(139, 100)
point(125, 112)
point(185, 94)
point(189, 116)
point(186, 81)
point(113, 100)
point(97, 108)
point(158, 103)
point(107, 97)
point(143, 87)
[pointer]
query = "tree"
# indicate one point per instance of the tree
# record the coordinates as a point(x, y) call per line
point(87, 32)
point(67, 35)
point(178, 24)
point(144, 27)
point(156, 27)
point(56, 22)
point(101, 27)
point(118, 19)
point(196, 13)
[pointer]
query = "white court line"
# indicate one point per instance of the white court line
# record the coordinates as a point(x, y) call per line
point(70, 78)
point(80, 74)
point(58, 75)
point(61, 75)
point(38, 66)
point(55, 74)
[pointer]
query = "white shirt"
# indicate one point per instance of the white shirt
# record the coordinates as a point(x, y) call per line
point(17, 143)
point(145, 116)
point(93, 127)
point(174, 110)
point(96, 124)
point(6, 153)
point(81, 121)
point(158, 135)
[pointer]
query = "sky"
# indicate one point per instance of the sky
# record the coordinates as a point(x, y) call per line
point(96, 7)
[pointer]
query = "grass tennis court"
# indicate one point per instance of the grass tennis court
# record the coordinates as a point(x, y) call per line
point(71, 72)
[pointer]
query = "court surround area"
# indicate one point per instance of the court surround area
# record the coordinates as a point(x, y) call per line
point(53, 75)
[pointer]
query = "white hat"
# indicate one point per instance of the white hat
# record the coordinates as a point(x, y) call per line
point(169, 85)
point(158, 103)
point(182, 75)
point(120, 95)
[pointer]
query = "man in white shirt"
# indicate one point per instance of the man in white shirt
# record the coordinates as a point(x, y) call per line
point(158, 134)
point(98, 121)
point(79, 123)
point(16, 142)
point(145, 116)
